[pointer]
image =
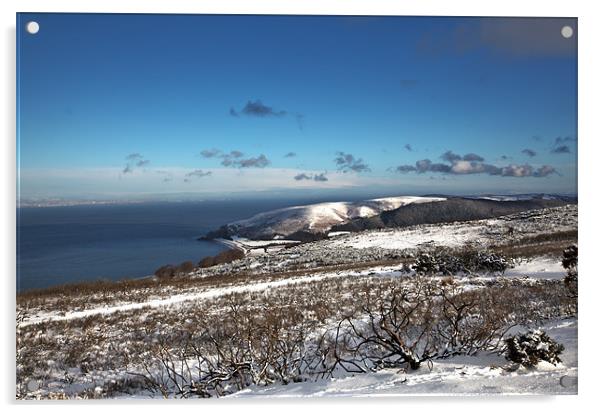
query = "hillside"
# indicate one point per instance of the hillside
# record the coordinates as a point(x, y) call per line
point(308, 222)
point(280, 322)
point(452, 210)
point(315, 221)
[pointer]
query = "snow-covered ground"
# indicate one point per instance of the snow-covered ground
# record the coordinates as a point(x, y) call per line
point(538, 267)
point(198, 296)
point(321, 217)
point(518, 197)
point(481, 374)
point(395, 243)
point(255, 246)
point(55, 324)
point(449, 235)
point(248, 243)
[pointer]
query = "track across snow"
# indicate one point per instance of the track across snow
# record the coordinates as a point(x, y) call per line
point(201, 295)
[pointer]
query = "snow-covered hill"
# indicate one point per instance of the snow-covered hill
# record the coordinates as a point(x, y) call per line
point(314, 218)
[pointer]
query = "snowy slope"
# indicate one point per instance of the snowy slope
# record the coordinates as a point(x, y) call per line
point(469, 375)
point(317, 217)
point(521, 197)
point(540, 267)
point(448, 235)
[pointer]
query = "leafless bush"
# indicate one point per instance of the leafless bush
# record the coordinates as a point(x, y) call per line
point(166, 271)
point(418, 322)
point(222, 258)
point(298, 331)
point(185, 267)
point(246, 347)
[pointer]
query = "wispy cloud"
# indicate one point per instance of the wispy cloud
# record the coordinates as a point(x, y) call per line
point(258, 109)
point(473, 164)
point(566, 139)
point(258, 162)
point(561, 149)
point(529, 36)
point(450, 157)
point(515, 36)
point(134, 160)
point(561, 143)
point(346, 162)
point(210, 153)
point(167, 175)
point(133, 157)
point(197, 173)
point(529, 152)
point(473, 157)
point(236, 159)
point(311, 177)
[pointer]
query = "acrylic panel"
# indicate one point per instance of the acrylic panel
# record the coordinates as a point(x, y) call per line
point(281, 205)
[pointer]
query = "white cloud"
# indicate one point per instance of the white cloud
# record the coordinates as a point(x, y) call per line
point(111, 181)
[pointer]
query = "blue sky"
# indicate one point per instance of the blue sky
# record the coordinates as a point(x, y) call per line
point(114, 106)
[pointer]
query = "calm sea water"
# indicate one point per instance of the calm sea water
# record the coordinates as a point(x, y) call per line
point(61, 245)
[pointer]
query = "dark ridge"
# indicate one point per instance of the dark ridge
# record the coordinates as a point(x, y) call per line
point(221, 232)
point(307, 236)
point(451, 210)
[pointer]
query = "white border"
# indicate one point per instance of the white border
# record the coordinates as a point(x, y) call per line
point(589, 182)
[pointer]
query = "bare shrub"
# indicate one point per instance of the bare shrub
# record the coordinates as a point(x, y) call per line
point(185, 268)
point(418, 322)
point(295, 332)
point(246, 347)
point(223, 257)
point(207, 262)
point(166, 271)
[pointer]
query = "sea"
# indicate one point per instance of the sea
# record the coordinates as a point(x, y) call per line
point(69, 244)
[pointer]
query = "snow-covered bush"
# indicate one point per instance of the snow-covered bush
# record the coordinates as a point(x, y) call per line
point(418, 322)
point(570, 258)
point(569, 262)
point(278, 335)
point(492, 263)
point(445, 261)
point(530, 348)
point(438, 262)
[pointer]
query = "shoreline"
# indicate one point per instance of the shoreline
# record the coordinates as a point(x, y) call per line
point(232, 245)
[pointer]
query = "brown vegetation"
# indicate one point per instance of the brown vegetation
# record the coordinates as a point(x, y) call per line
point(541, 244)
point(222, 258)
point(295, 332)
